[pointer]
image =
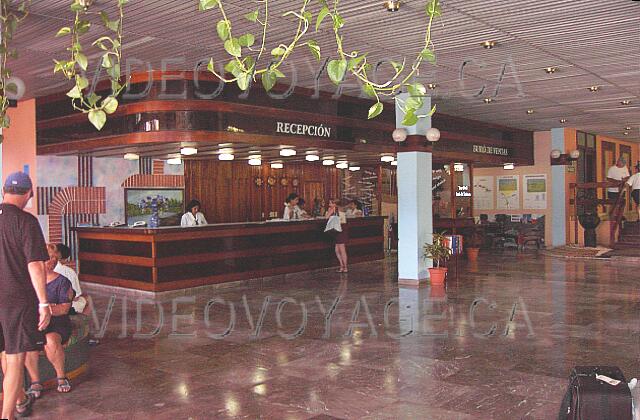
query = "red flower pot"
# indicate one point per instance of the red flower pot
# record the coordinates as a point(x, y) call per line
point(437, 275)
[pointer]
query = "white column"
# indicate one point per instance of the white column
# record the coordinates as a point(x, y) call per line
point(415, 213)
point(558, 193)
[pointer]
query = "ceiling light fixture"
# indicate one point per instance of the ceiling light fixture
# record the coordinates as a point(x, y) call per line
point(131, 156)
point(226, 156)
point(342, 165)
point(593, 88)
point(530, 111)
point(255, 161)
point(288, 152)
point(488, 100)
point(550, 70)
point(394, 163)
point(387, 158)
point(563, 120)
point(628, 128)
point(392, 5)
point(277, 165)
point(509, 166)
point(432, 86)
point(487, 45)
point(625, 102)
point(626, 133)
point(312, 158)
point(188, 151)
point(174, 161)
point(328, 162)
point(354, 168)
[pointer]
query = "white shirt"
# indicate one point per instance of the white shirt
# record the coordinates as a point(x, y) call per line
point(189, 220)
point(351, 213)
point(617, 173)
point(634, 181)
point(292, 214)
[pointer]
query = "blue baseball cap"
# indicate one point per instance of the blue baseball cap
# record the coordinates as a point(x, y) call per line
point(18, 180)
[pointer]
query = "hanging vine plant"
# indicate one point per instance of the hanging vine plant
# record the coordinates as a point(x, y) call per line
point(245, 56)
point(83, 98)
point(10, 18)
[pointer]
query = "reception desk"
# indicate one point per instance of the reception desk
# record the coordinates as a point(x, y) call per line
point(171, 258)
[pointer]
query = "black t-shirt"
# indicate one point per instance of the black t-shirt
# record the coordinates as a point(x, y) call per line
point(21, 242)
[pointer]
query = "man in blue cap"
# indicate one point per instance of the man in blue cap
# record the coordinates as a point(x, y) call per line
point(24, 310)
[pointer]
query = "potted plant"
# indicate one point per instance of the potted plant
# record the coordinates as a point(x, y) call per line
point(439, 252)
point(473, 244)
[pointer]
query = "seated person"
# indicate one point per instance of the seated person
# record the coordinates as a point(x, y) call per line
point(60, 296)
point(301, 211)
point(193, 217)
point(353, 209)
point(291, 209)
point(318, 208)
point(62, 253)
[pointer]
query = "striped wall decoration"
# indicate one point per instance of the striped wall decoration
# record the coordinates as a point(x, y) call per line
point(85, 171)
point(158, 167)
point(154, 181)
point(45, 197)
point(74, 201)
point(146, 165)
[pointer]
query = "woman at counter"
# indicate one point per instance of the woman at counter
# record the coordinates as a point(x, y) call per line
point(193, 217)
point(353, 209)
point(291, 209)
point(341, 238)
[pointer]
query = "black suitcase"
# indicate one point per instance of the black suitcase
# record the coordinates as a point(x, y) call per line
point(588, 398)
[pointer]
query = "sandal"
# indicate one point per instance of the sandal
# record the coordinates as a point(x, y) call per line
point(64, 385)
point(24, 408)
point(35, 389)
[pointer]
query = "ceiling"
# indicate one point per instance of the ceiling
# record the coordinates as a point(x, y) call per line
point(591, 42)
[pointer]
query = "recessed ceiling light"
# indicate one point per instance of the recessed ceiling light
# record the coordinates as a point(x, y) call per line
point(625, 102)
point(563, 120)
point(394, 163)
point(354, 168)
point(342, 165)
point(488, 100)
point(392, 5)
point(626, 133)
point(226, 156)
point(550, 70)
point(387, 158)
point(131, 156)
point(255, 162)
point(312, 158)
point(328, 162)
point(488, 44)
point(288, 152)
point(530, 111)
point(432, 86)
point(509, 166)
point(188, 151)
point(174, 161)
point(277, 165)
point(593, 88)
point(627, 128)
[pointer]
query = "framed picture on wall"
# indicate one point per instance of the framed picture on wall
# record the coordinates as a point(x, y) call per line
point(137, 205)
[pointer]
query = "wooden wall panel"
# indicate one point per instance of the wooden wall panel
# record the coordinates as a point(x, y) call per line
point(228, 192)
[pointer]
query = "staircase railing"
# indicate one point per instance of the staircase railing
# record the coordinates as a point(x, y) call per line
point(586, 195)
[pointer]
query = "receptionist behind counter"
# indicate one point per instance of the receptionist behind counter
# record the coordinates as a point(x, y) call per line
point(193, 217)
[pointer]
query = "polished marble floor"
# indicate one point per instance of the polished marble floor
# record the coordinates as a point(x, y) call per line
point(498, 343)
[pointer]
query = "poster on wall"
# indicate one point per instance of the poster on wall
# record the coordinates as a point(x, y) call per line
point(483, 193)
point(535, 191)
point(508, 192)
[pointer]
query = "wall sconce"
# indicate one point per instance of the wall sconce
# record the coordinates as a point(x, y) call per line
point(559, 158)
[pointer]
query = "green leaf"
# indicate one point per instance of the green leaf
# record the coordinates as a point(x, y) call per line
point(417, 89)
point(82, 61)
point(428, 55)
point(243, 81)
point(83, 27)
point(97, 117)
point(231, 67)
point(433, 8)
point(279, 74)
point(247, 40)
point(93, 99)
point(81, 81)
point(75, 92)
point(433, 111)
point(77, 7)
point(64, 31)
point(114, 72)
point(324, 12)
point(249, 63)
point(397, 67)
point(369, 90)
point(278, 52)
point(314, 48)
point(375, 110)
point(232, 46)
point(414, 102)
point(355, 62)
point(107, 63)
point(110, 105)
point(223, 30)
point(207, 4)
point(269, 80)
point(252, 17)
point(308, 17)
point(337, 70)
point(211, 66)
point(410, 118)
point(338, 21)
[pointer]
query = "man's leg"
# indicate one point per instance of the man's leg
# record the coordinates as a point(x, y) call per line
point(55, 353)
point(31, 363)
point(12, 384)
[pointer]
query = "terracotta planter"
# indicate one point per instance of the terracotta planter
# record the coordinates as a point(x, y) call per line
point(472, 254)
point(437, 275)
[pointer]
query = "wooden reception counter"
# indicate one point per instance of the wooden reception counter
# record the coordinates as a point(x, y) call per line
point(171, 258)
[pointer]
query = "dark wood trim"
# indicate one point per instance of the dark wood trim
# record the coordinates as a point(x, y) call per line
point(116, 259)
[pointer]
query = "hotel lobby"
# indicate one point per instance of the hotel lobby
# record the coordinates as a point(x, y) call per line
point(349, 210)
